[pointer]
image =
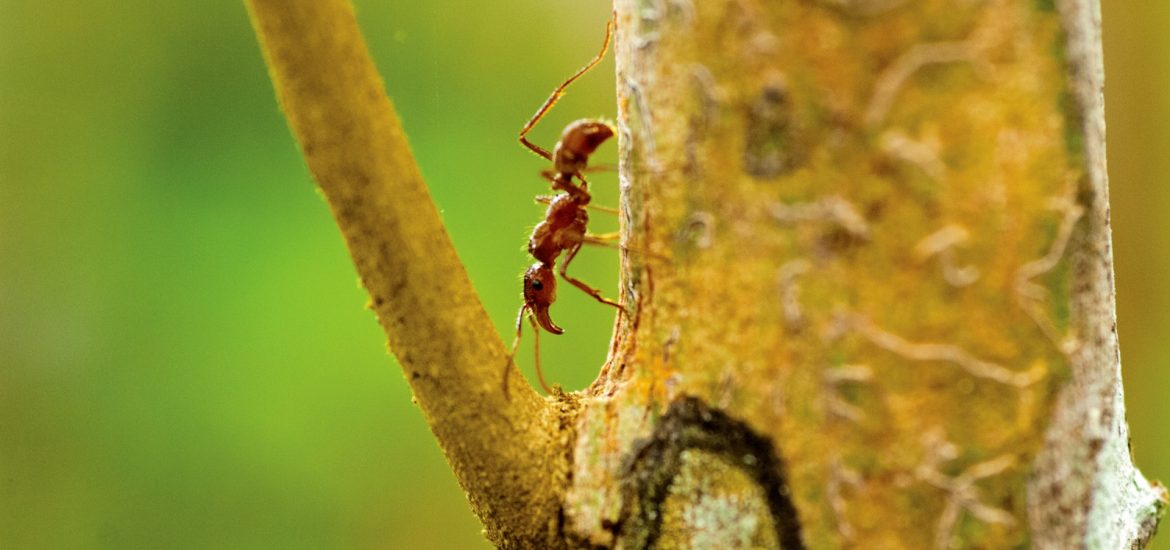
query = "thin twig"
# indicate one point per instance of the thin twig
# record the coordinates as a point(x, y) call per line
point(448, 348)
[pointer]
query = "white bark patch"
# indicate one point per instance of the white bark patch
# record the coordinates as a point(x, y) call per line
point(1123, 501)
point(717, 506)
point(1085, 491)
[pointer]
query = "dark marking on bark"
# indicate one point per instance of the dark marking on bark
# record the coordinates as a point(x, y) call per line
point(770, 143)
point(689, 424)
point(836, 240)
point(1044, 6)
point(701, 122)
point(649, 24)
point(669, 344)
point(695, 233)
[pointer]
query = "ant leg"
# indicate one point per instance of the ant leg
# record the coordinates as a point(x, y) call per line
point(543, 199)
point(536, 355)
point(606, 240)
point(559, 184)
point(603, 238)
point(596, 294)
point(580, 174)
point(535, 148)
point(558, 92)
point(606, 209)
point(584, 187)
point(515, 344)
point(600, 168)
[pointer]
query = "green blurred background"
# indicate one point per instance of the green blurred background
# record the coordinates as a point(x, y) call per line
point(185, 360)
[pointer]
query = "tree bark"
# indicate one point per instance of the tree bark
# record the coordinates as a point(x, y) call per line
point(867, 262)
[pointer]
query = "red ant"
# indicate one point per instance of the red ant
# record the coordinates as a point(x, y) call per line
point(564, 226)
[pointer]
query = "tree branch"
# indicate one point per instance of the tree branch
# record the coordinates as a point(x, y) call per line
point(1085, 489)
point(504, 451)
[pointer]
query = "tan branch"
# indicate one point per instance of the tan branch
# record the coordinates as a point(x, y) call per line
point(506, 452)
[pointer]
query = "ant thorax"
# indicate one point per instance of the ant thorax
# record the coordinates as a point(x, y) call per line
point(563, 227)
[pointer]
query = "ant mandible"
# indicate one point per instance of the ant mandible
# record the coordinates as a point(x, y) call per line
point(564, 226)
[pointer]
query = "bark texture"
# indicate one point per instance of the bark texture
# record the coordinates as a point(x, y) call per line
point(866, 256)
point(876, 236)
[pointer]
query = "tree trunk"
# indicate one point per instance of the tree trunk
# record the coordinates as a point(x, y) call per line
point(866, 255)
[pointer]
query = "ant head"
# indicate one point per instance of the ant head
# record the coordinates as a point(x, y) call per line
point(540, 291)
point(579, 140)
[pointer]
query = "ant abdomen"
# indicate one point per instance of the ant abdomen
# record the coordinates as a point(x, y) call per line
point(579, 140)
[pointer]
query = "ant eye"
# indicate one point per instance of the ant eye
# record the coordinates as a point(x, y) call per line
point(537, 285)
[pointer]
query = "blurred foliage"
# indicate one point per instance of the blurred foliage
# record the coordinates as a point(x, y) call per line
point(184, 357)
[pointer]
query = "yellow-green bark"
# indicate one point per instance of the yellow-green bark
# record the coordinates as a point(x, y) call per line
point(886, 250)
point(919, 164)
point(866, 256)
